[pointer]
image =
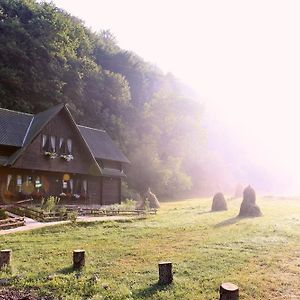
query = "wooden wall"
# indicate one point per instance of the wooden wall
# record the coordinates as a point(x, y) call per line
point(111, 190)
point(34, 159)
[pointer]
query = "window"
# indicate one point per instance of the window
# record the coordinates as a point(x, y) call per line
point(65, 184)
point(29, 180)
point(52, 143)
point(84, 186)
point(61, 145)
point(19, 183)
point(38, 183)
point(44, 142)
point(9, 178)
point(69, 147)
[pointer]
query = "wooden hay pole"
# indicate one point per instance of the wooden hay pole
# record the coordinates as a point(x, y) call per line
point(5, 258)
point(78, 259)
point(165, 273)
point(229, 291)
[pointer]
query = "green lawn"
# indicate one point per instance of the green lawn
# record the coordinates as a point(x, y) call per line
point(260, 255)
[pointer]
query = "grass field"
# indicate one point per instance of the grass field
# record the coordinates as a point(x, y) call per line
point(261, 255)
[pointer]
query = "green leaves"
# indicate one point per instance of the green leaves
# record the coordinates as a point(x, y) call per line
point(48, 56)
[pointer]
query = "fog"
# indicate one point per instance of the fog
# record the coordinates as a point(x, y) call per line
point(241, 57)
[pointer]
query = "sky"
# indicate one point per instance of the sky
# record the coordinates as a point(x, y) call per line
point(242, 57)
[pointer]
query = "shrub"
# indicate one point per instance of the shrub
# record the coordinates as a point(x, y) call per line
point(128, 204)
point(72, 216)
point(49, 205)
point(3, 214)
point(62, 212)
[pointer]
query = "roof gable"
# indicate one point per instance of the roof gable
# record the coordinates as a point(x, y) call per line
point(20, 129)
point(38, 122)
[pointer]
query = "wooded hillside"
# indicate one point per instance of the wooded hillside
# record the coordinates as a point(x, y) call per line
point(48, 56)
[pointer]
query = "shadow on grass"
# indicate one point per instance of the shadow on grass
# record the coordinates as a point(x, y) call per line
point(152, 290)
point(204, 212)
point(228, 222)
point(66, 270)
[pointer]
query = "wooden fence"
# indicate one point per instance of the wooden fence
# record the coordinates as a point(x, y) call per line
point(12, 222)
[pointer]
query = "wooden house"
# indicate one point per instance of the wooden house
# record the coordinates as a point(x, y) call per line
point(49, 154)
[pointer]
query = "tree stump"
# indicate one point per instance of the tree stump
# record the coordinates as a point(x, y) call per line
point(5, 258)
point(78, 259)
point(165, 273)
point(229, 291)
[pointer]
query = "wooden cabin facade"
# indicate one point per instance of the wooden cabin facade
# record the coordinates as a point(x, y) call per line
point(49, 154)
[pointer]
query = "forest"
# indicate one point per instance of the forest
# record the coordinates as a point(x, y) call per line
point(48, 56)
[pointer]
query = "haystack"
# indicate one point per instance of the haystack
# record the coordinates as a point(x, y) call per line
point(248, 206)
point(219, 202)
point(153, 201)
point(149, 196)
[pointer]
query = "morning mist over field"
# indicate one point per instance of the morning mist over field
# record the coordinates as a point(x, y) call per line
point(243, 61)
point(149, 150)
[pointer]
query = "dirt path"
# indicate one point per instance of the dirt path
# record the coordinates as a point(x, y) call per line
point(32, 224)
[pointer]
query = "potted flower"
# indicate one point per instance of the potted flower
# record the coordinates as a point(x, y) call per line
point(67, 157)
point(50, 154)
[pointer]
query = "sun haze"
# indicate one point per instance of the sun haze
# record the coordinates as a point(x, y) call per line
point(242, 57)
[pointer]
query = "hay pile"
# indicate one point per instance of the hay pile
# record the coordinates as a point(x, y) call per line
point(153, 201)
point(151, 198)
point(248, 206)
point(219, 202)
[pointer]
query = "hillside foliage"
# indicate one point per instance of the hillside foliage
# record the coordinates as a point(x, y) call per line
point(48, 57)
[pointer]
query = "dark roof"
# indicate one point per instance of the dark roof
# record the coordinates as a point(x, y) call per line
point(112, 172)
point(3, 160)
point(101, 145)
point(19, 129)
point(13, 127)
point(40, 120)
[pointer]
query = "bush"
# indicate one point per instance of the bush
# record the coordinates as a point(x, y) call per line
point(3, 214)
point(49, 205)
point(128, 204)
point(129, 193)
point(72, 216)
point(62, 212)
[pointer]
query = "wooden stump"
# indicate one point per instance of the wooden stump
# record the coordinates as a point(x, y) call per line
point(78, 259)
point(5, 258)
point(229, 291)
point(165, 273)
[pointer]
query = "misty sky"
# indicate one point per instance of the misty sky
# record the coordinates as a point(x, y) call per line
point(243, 57)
